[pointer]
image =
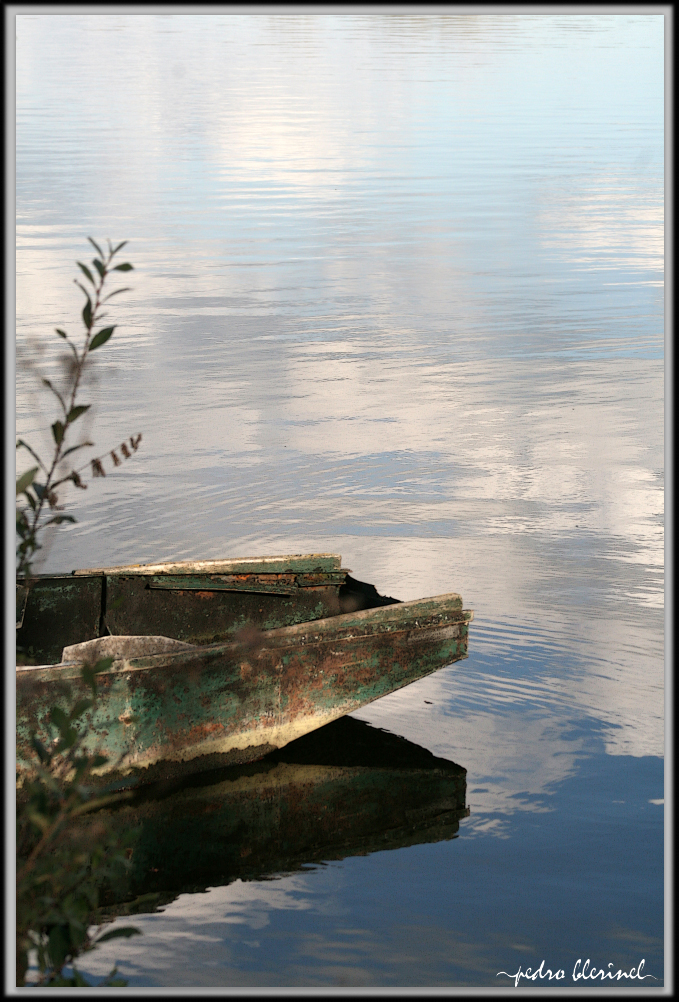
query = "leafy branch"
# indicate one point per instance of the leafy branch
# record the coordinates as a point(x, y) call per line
point(38, 484)
point(64, 857)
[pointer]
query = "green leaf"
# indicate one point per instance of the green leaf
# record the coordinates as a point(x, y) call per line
point(117, 291)
point(75, 412)
point(59, 718)
point(89, 679)
point(60, 332)
point(59, 519)
point(26, 479)
point(101, 337)
point(123, 267)
point(96, 247)
point(39, 748)
point(55, 391)
point(100, 268)
point(126, 931)
point(86, 271)
point(89, 672)
point(68, 738)
point(79, 708)
point(58, 432)
point(59, 945)
point(21, 444)
point(87, 313)
point(119, 247)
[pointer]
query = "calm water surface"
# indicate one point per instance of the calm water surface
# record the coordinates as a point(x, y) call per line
point(398, 295)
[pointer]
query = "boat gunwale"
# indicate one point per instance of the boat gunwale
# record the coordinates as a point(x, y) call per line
point(295, 563)
point(319, 631)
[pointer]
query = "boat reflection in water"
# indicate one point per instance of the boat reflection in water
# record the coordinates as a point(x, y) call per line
point(346, 789)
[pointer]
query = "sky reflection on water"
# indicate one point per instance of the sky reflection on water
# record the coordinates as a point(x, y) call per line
point(398, 295)
point(535, 880)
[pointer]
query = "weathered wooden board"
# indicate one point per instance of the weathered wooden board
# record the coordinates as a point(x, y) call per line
point(202, 615)
point(296, 563)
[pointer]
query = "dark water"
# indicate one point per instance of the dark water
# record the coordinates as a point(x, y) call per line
point(398, 295)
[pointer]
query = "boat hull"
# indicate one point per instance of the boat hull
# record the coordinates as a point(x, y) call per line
point(163, 716)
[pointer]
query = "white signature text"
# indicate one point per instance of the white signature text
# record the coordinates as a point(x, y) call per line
point(581, 971)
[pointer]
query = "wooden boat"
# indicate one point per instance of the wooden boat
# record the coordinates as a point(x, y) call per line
point(346, 789)
point(220, 662)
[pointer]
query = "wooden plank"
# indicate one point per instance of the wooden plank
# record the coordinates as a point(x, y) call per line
point(293, 563)
point(261, 584)
point(202, 582)
point(204, 615)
